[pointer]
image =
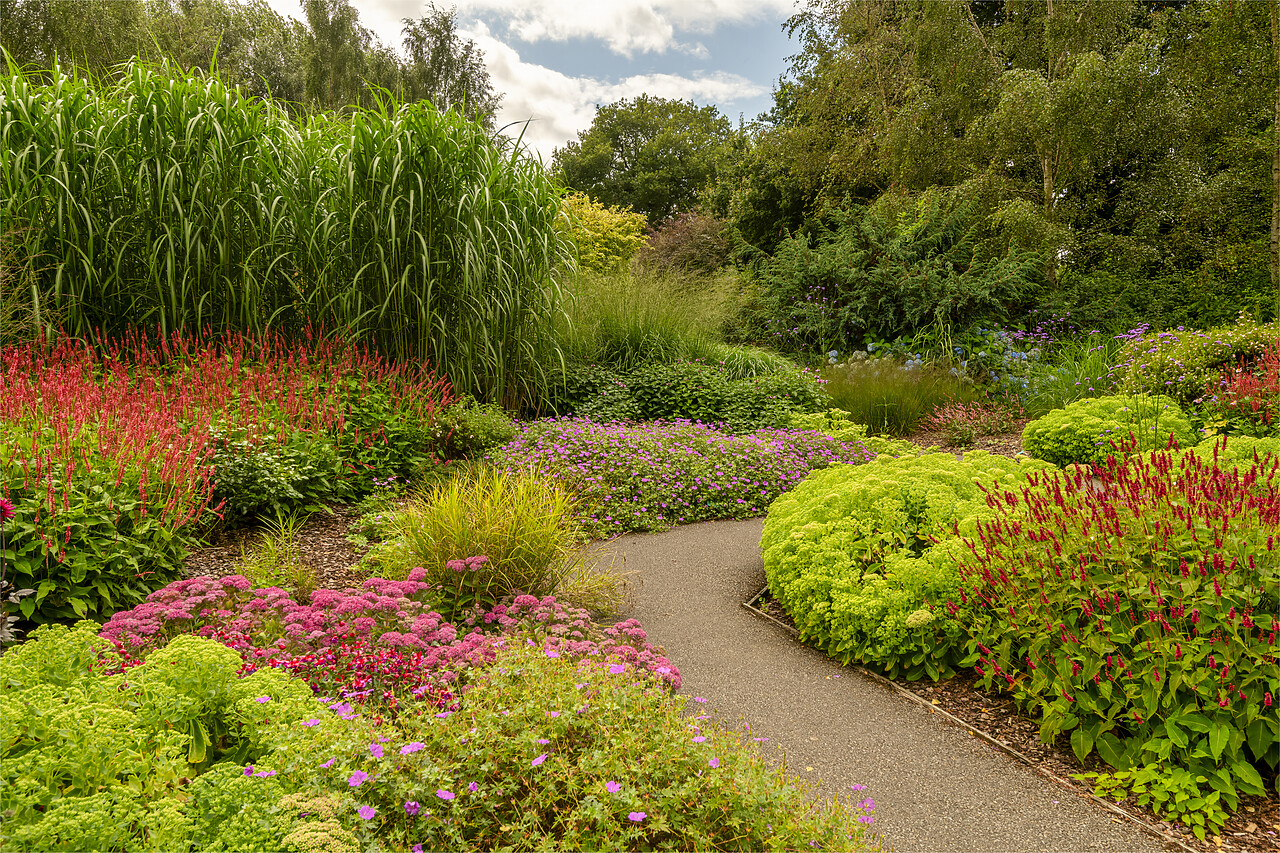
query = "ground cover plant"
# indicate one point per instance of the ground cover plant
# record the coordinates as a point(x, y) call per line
point(116, 457)
point(161, 197)
point(1089, 430)
point(849, 553)
point(645, 477)
point(536, 729)
point(1138, 613)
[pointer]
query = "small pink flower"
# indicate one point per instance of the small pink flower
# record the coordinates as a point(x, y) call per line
point(412, 747)
point(248, 771)
point(617, 669)
point(262, 699)
point(411, 807)
point(636, 817)
point(265, 773)
point(365, 812)
point(328, 763)
point(715, 762)
point(473, 787)
point(537, 761)
point(356, 778)
point(699, 739)
point(612, 787)
point(375, 749)
point(445, 795)
point(311, 722)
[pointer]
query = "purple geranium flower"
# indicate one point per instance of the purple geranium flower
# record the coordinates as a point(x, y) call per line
point(636, 817)
point(356, 778)
point(612, 787)
point(365, 812)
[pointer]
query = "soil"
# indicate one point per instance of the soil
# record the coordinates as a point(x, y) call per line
point(1255, 827)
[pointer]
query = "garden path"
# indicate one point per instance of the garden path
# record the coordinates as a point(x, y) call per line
point(935, 787)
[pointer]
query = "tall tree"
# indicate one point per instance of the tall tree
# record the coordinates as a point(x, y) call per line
point(446, 70)
point(652, 154)
point(36, 32)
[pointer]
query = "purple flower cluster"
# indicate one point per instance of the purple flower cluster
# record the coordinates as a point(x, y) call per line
point(653, 476)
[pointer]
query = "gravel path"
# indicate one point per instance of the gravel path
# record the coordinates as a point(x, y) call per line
point(936, 788)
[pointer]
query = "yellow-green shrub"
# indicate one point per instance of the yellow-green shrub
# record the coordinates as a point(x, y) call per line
point(1089, 430)
point(607, 237)
point(859, 556)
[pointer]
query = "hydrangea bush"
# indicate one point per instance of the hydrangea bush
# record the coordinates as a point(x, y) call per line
point(646, 477)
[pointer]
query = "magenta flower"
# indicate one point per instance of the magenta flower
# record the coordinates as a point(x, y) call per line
point(552, 653)
point(248, 771)
point(636, 817)
point(262, 699)
point(699, 739)
point(311, 722)
point(412, 747)
point(553, 713)
point(612, 787)
point(356, 778)
point(328, 763)
point(6, 510)
point(417, 848)
point(855, 786)
point(473, 787)
point(617, 669)
point(539, 760)
point(365, 812)
point(714, 762)
point(375, 749)
point(265, 773)
point(411, 807)
point(445, 795)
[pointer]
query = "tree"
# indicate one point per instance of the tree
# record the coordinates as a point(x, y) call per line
point(444, 69)
point(35, 32)
point(651, 154)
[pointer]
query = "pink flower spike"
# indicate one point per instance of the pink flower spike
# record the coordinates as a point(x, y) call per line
point(537, 761)
point(445, 795)
point(356, 778)
point(366, 812)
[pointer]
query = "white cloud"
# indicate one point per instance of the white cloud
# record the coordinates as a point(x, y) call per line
point(627, 27)
point(557, 106)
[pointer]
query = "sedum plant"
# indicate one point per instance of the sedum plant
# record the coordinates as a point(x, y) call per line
point(858, 556)
point(1088, 431)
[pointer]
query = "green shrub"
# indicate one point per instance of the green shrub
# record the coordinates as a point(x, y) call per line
point(872, 273)
point(606, 237)
point(962, 424)
point(1183, 362)
point(489, 534)
point(552, 753)
point(93, 760)
point(854, 556)
point(263, 476)
point(1138, 613)
point(468, 429)
point(890, 397)
point(688, 243)
point(696, 392)
point(839, 424)
point(1087, 431)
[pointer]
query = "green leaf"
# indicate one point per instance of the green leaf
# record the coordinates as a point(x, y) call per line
point(1178, 736)
point(1248, 779)
point(1219, 735)
point(1259, 736)
point(1082, 742)
point(1111, 749)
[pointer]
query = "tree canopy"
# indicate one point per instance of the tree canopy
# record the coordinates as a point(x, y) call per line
point(651, 154)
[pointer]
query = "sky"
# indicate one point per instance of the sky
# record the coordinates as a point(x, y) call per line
point(555, 61)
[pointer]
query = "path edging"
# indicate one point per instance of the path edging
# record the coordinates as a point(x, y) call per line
point(979, 733)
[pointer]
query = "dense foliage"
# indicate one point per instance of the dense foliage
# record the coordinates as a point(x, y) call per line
point(114, 459)
point(849, 554)
point(171, 199)
point(1092, 429)
point(654, 476)
point(1138, 613)
point(606, 237)
point(564, 735)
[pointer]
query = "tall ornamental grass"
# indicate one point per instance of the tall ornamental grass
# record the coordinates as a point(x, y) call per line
point(172, 200)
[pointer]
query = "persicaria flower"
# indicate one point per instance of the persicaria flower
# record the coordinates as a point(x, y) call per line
point(6, 510)
point(1266, 699)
